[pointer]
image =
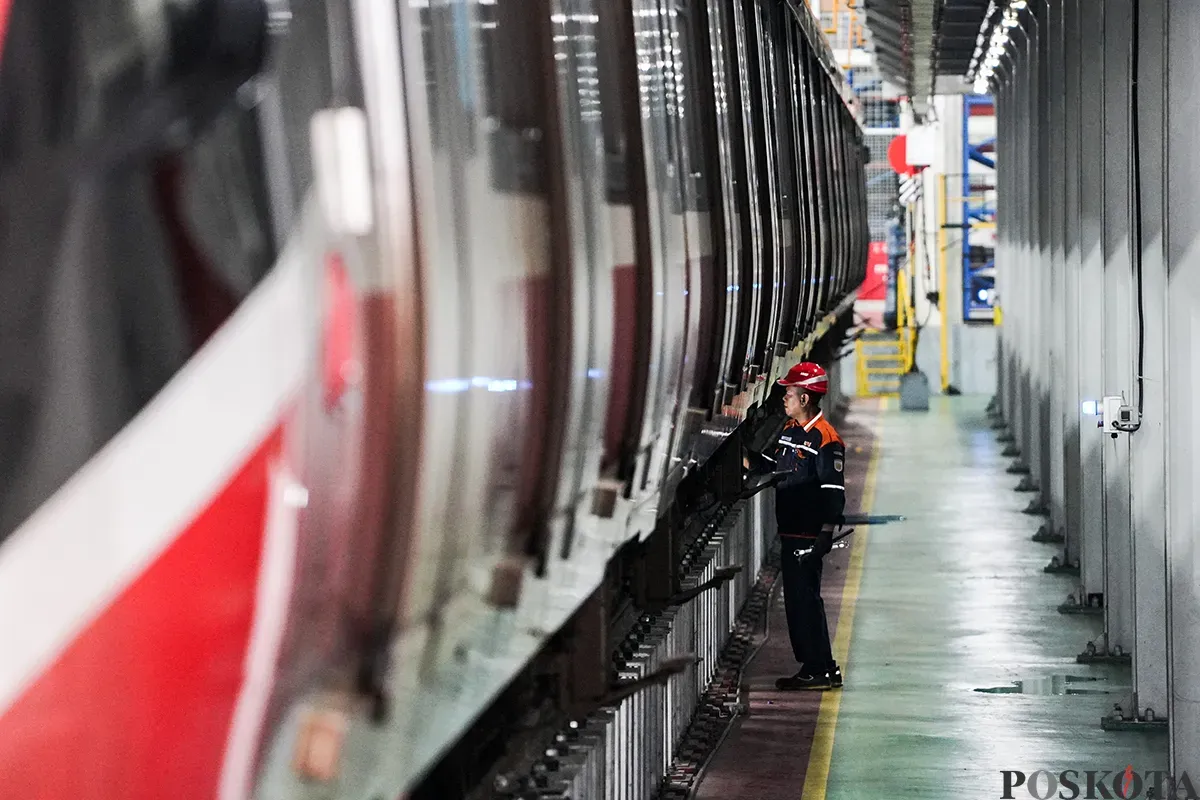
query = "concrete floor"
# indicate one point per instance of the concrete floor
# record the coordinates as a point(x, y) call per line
point(950, 601)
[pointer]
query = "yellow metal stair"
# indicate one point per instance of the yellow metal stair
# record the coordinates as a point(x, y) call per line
point(882, 357)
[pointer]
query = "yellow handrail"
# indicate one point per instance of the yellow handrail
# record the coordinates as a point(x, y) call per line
point(855, 35)
point(906, 315)
point(834, 16)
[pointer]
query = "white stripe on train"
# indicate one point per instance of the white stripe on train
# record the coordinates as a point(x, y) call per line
point(276, 572)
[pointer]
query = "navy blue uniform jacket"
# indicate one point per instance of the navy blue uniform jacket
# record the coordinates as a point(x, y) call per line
point(813, 494)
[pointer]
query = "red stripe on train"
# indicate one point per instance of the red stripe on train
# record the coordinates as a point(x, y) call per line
point(5, 7)
point(624, 359)
point(138, 706)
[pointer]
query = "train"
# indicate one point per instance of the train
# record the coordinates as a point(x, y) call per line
point(377, 379)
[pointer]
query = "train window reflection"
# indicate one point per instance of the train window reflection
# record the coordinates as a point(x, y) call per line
point(122, 248)
point(513, 44)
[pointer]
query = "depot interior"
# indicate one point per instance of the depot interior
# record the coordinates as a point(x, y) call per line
point(1028, 619)
point(1033, 210)
point(1021, 595)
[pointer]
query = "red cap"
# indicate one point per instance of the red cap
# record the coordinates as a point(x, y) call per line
point(808, 376)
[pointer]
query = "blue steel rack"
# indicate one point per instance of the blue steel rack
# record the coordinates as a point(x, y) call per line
point(978, 265)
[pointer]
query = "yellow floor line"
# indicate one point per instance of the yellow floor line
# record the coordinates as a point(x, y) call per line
point(819, 758)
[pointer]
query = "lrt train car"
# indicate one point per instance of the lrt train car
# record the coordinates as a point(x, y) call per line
point(372, 371)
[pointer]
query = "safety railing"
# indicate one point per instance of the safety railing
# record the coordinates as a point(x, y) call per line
point(842, 25)
point(882, 357)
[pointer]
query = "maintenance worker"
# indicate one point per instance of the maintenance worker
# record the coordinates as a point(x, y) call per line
point(810, 498)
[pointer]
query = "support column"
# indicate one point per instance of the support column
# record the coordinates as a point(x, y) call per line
point(1028, 407)
point(1053, 500)
point(1031, 429)
point(1118, 354)
point(1147, 333)
point(1012, 217)
point(1182, 171)
point(1003, 242)
point(1016, 110)
point(1042, 307)
point(1072, 139)
point(1021, 253)
point(1090, 300)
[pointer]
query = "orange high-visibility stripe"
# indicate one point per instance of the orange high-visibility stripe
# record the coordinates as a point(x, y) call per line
point(828, 433)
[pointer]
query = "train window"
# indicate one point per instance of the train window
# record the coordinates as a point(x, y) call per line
point(760, 114)
point(513, 45)
point(822, 178)
point(722, 122)
point(493, 215)
point(830, 154)
point(772, 17)
point(815, 244)
point(839, 178)
point(697, 110)
point(744, 177)
point(632, 273)
point(773, 278)
point(844, 193)
point(611, 40)
point(788, 201)
point(847, 196)
point(127, 235)
point(694, 95)
point(805, 241)
point(837, 183)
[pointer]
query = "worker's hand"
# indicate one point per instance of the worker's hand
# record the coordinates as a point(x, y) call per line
point(824, 543)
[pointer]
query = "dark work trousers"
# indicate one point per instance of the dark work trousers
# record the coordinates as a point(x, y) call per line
point(807, 626)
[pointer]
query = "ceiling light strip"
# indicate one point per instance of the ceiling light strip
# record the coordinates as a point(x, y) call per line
point(992, 41)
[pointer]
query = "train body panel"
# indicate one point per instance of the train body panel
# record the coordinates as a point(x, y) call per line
point(449, 327)
point(138, 577)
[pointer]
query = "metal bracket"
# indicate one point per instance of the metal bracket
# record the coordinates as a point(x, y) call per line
point(1094, 655)
point(666, 670)
point(1045, 534)
point(1148, 722)
point(720, 575)
point(1059, 567)
point(1036, 507)
point(1093, 607)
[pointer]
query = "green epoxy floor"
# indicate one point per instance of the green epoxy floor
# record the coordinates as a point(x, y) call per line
point(954, 599)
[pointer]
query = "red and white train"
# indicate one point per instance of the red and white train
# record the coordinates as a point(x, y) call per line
point(343, 342)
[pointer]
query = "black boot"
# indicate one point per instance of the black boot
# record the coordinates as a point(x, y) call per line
point(835, 677)
point(802, 681)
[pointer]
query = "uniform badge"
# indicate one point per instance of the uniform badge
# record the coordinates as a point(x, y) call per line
point(837, 465)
